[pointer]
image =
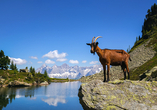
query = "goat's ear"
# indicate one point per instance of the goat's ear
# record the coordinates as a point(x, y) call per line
point(88, 43)
point(97, 43)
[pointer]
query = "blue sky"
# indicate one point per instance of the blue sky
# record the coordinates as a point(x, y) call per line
point(37, 32)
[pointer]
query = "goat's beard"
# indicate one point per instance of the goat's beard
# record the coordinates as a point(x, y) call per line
point(93, 53)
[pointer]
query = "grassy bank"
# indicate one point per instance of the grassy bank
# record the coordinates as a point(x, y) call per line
point(61, 80)
point(12, 75)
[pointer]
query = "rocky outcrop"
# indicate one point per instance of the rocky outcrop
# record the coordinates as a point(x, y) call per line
point(18, 84)
point(44, 83)
point(24, 84)
point(149, 75)
point(1, 80)
point(118, 95)
point(139, 56)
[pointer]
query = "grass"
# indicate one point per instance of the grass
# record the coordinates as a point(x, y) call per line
point(151, 34)
point(134, 74)
point(61, 80)
point(137, 44)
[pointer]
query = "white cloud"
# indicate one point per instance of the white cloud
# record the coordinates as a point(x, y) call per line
point(30, 62)
point(93, 62)
point(61, 59)
point(49, 61)
point(54, 54)
point(18, 61)
point(84, 61)
point(73, 61)
point(39, 62)
point(32, 57)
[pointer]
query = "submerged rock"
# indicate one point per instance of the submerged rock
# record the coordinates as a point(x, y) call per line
point(118, 95)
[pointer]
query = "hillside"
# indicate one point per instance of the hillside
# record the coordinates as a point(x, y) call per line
point(143, 53)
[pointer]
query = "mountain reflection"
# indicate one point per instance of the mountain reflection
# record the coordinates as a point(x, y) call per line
point(52, 94)
point(68, 89)
point(57, 92)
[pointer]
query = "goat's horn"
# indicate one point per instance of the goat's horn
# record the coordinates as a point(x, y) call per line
point(93, 39)
point(97, 38)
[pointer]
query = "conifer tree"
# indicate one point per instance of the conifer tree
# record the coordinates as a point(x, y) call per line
point(150, 21)
point(15, 68)
point(45, 74)
point(33, 71)
point(30, 70)
point(4, 61)
point(12, 65)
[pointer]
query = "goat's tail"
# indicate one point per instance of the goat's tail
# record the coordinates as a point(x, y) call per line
point(130, 59)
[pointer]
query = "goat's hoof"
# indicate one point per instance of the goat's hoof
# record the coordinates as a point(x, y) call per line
point(107, 80)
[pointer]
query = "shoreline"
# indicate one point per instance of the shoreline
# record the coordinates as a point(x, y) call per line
point(25, 84)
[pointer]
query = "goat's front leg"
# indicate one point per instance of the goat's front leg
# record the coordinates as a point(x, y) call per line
point(108, 69)
point(104, 67)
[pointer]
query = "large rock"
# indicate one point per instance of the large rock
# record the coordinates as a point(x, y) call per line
point(18, 83)
point(118, 95)
point(44, 83)
point(1, 80)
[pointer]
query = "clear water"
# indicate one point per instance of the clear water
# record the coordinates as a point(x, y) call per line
point(56, 96)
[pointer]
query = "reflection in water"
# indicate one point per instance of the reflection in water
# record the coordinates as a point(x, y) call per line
point(8, 94)
point(55, 95)
point(6, 98)
point(54, 101)
point(33, 98)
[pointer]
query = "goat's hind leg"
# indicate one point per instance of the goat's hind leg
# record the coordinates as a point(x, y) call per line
point(104, 67)
point(124, 71)
point(108, 69)
point(127, 70)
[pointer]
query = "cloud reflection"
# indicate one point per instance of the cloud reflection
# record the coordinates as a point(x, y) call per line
point(33, 98)
point(19, 96)
point(54, 101)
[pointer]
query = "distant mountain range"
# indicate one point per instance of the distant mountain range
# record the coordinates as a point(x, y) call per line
point(66, 71)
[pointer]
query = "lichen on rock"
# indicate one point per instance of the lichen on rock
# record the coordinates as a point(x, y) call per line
point(118, 95)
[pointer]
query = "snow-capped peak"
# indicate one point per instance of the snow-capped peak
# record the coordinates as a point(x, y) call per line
point(66, 71)
point(44, 65)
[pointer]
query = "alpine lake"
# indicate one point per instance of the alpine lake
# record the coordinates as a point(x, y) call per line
point(55, 96)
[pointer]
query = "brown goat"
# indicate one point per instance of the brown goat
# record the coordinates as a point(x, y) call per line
point(110, 57)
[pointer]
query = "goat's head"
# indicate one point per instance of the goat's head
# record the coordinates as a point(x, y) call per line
point(93, 44)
